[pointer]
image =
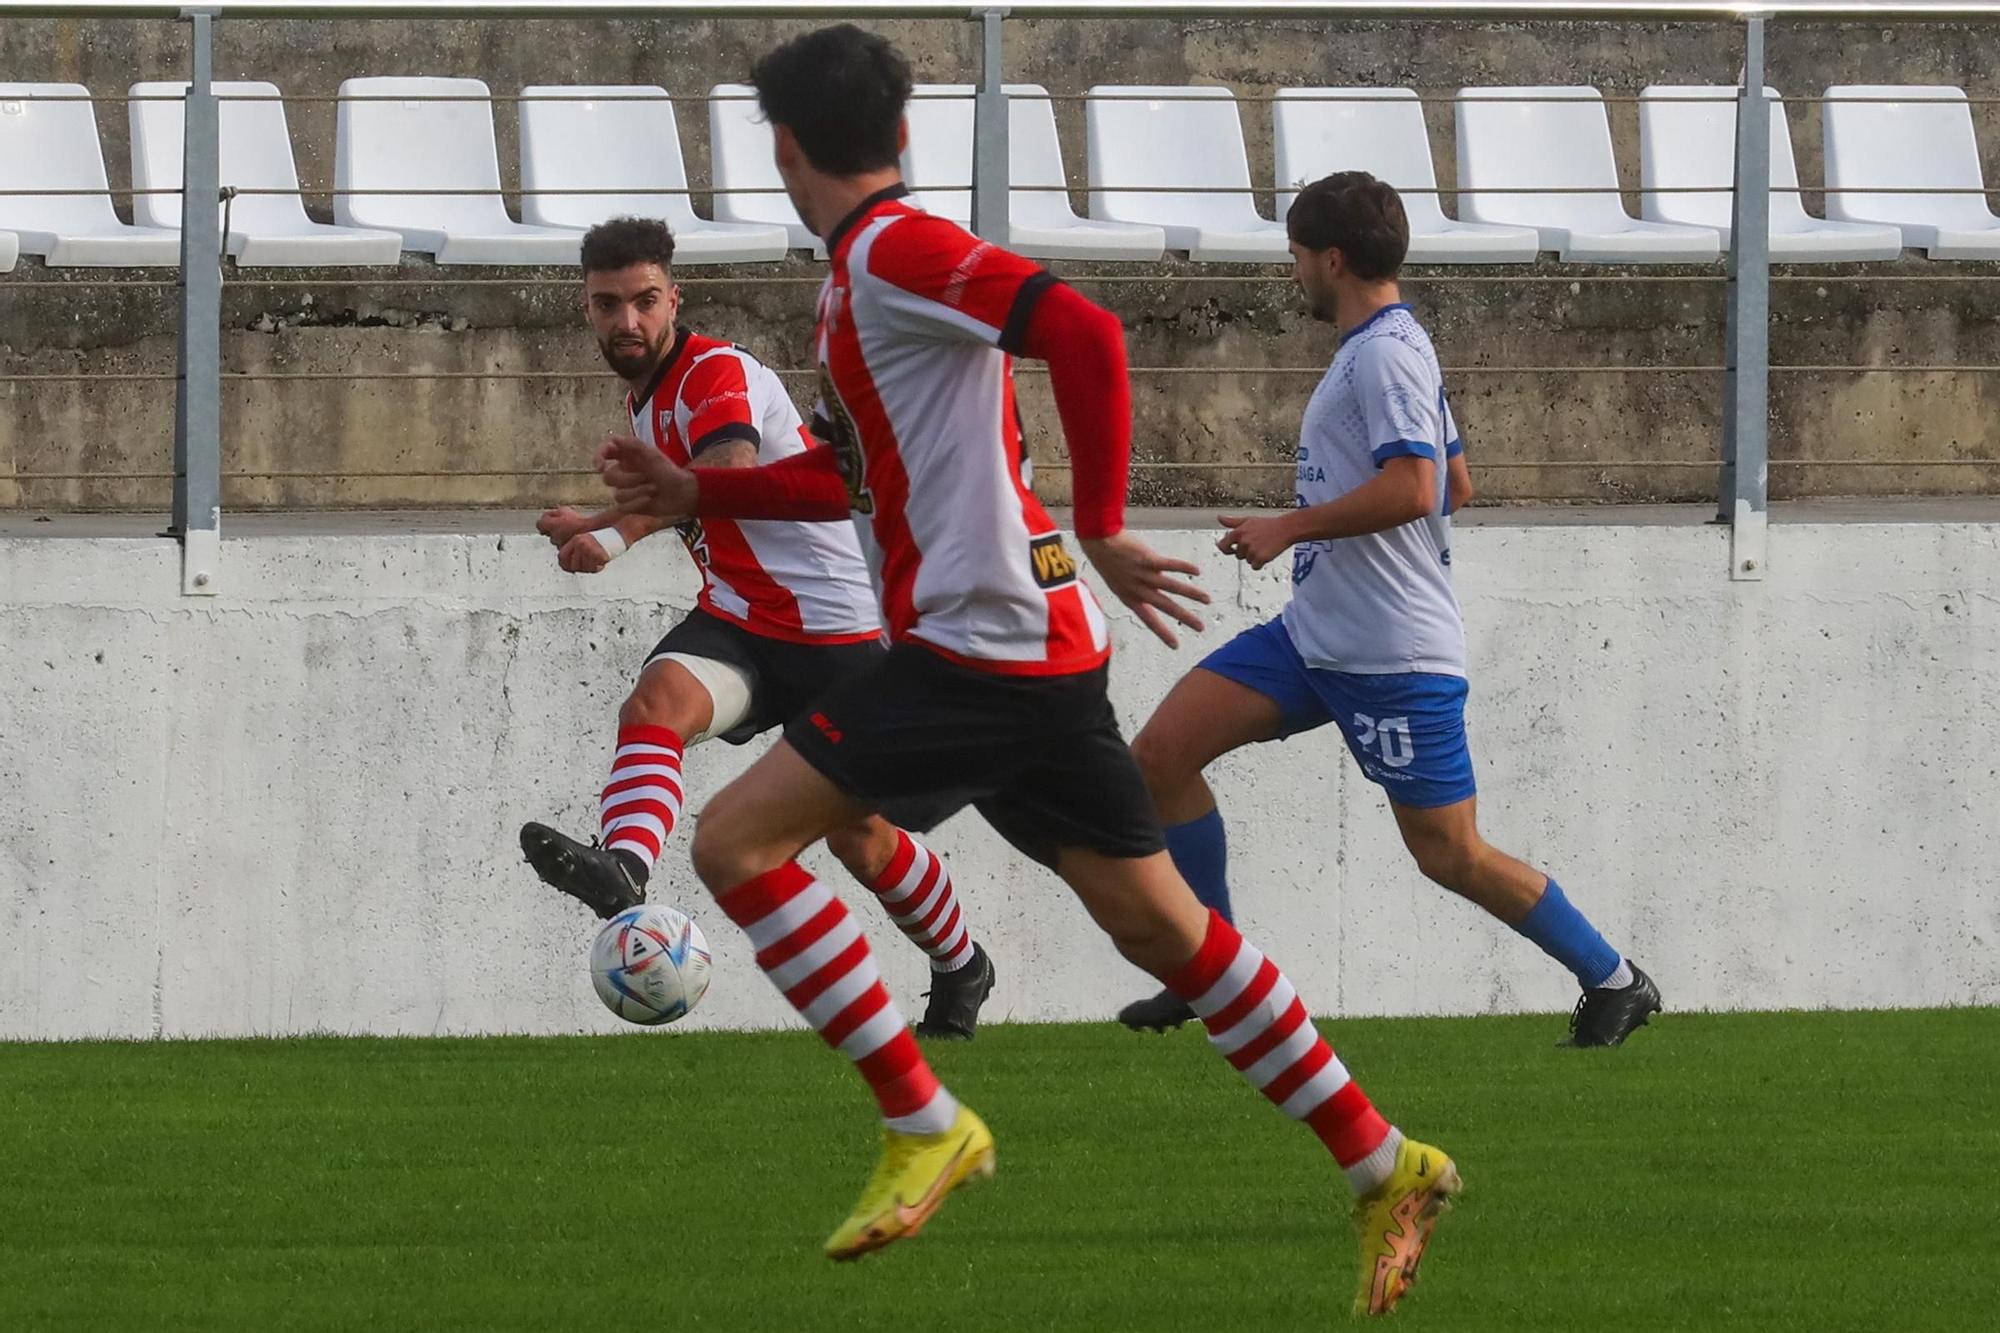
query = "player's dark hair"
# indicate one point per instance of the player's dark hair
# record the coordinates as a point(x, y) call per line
point(1352, 212)
point(623, 242)
point(841, 92)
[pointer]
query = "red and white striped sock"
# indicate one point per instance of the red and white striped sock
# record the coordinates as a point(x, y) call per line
point(916, 891)
point(643, 798)
point(813, 951)
point(1259, 1024)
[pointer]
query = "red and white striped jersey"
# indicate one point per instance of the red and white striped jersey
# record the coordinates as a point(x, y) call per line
point(806, 582)
point(917, 322)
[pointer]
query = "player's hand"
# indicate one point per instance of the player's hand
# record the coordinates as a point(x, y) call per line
point(645, 481)
point(1142, 578)
point(561, 526)
point(1256, 541)
point(582, 554)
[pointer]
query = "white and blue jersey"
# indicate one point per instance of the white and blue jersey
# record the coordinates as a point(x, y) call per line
point(1381, 603)
point(1372, 640)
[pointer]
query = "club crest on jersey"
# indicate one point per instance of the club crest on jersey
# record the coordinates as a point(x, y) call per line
point(835, 424)
point(1052, 564)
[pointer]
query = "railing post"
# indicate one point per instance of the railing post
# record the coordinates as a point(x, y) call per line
point(197, 517)
point(989, 136)
point(1744, 492)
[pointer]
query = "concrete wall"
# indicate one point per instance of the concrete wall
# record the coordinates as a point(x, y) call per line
point(293, 807)
point(1544, 436)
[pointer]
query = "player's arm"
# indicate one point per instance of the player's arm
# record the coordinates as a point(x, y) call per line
point(1457, 479)
point(1400, 493)
point(1084, 346)
point(807, 487)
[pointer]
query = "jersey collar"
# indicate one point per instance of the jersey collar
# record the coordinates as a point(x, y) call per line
point(661, 371)
point(861, 211)
point(1393, 305)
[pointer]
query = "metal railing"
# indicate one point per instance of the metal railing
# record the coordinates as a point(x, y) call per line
point(198, 471)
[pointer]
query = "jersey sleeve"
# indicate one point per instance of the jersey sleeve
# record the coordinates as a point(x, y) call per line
point(1400, 402)
point(933, 279)
point(1454, 444)
point(715, 403)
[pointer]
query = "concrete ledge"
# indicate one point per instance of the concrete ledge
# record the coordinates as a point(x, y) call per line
point(292, 807)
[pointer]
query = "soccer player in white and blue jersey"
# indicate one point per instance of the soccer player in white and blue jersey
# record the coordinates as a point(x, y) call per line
point(1372, 640)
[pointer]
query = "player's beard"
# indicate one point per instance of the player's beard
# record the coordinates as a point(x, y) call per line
point(633, 358)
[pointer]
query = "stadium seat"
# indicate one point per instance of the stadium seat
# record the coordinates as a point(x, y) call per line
point(1550, 149)
point(1191, 138)
point(1382, 132)
point(407, 141)
point(256, 152)
point(53, 145)
point(1041, 223)
point(1923, 141)
point(10, 250)
point(626, 140)
point(740, 156)
point(939, 151)
point(1685, 143)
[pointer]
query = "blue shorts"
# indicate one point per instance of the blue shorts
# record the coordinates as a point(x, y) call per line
point(1406, 729)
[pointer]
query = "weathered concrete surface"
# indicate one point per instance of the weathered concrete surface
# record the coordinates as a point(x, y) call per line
point(292, 807)
point(1643, 435)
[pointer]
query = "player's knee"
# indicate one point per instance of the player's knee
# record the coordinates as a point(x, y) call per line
point(1163, 762)
point(1444, 860)
point(721, 856)
point(655, 705)
point(859, 848)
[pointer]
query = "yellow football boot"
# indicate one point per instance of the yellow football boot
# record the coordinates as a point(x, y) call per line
point(1395, 1222)
point(911, 1180)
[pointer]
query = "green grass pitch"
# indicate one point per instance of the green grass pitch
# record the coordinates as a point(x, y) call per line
point(1785, 1171)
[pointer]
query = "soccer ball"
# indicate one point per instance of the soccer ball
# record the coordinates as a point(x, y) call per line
point(650, 964)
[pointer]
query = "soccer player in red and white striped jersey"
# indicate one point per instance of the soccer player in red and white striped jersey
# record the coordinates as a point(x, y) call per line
point(785, 610)
point(994, 687)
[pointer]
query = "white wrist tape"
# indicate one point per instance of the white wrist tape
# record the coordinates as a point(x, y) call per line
point(612, 540)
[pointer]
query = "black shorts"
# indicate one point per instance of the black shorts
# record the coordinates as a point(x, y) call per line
point(784, 676)
point(1040, 757)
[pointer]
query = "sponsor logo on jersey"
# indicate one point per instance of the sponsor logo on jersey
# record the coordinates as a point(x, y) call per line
point(961, 277)
point(1052, 564)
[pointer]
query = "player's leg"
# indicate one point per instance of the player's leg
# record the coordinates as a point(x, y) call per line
point(680, 698)
point(1253, 688)
point(911, 881)
point(745, 847)
point(1407, 731)
point(914, 886)
point(1445, 840)
point(1086, 811)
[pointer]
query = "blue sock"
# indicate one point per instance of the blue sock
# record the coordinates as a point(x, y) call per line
point(1200, 850)
point(1562, 932)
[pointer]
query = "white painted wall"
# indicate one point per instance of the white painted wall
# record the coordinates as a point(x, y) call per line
point(293, 807)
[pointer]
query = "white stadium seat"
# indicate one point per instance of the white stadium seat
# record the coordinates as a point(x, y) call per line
point(740, 157)
point(1382, 132)
point(1686, 139)
point(1183, 139)
point(627, 140)
point(1041, 223)
point(256, 152)
point(10, 250)
point(939, 151)
point(1551, 149)
point(1922, 141)
point(52, 145)
point(406, 142)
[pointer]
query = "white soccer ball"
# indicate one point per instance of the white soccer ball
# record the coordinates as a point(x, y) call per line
point(650, 964)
